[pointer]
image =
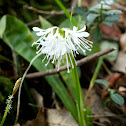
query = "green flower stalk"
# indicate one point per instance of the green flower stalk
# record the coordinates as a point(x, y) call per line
point(9, 101)
point(56, 43)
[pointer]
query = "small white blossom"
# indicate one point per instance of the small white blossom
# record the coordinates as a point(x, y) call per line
point(107, 2)
point(9, 103)
point(56, 42)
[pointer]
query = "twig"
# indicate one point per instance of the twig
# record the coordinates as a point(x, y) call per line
point(53, 12)
point(33, 22)
point(79, 63)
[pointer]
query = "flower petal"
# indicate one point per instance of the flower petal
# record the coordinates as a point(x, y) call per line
point(83, 29)
point(82, 34)
point(36, 29)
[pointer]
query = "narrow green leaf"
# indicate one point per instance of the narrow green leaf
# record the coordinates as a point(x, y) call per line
point(89, 117)
point(44, 23)
point(100, 61)
point(79, 96)
point(103, 82)
point(5, 59)
point(118, 99)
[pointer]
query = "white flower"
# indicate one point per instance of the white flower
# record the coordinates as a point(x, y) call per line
point(107, 2)
point(56, 42)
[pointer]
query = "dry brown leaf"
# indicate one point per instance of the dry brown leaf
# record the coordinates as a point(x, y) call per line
point(120, 65)
point(53, 117)
point(95, 102)
point(123, 42)
point(38, 121)
point(59, 118)
point(121, 5)
point(110, 32)
point(17, 124)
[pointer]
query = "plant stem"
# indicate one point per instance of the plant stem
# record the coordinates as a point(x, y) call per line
point(65, 11)
point(101, 13)
point(79, 3)
point(6, 111)
point(19, 92)
point(79, 95)
point(100, 61)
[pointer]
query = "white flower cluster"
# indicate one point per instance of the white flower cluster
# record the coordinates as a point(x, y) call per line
point(55, 42)
point(9, 103)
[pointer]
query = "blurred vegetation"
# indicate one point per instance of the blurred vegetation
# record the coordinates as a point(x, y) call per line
point(16, 8)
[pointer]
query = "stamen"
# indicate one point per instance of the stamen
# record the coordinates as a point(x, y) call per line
point(43, 59)
point(48, 62)
point(71, 61)
point(68, 71)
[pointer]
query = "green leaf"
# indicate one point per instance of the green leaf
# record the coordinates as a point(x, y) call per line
point(94, 49)
point(111, 57)
point(112, 18)
point(68, 79)
point(103, 82)
point(44, 23)
point(79, 10)
point(98, 7)
point(96, 34)
point(112, 91)
point(2, 26)
point(108, 23)
point(89, 117)
point(20, 38)
point(79, 95)
point(91, 17)
point(5, 59)
point(118, 99)
point(112, 12)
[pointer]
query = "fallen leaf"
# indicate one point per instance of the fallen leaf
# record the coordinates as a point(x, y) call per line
point(95, 102)
point(120, 64)
point(17, 124)
point(121, 5)
point(38, 121)
point(122, 89)
point(59, 118)
point(123, 42)
point(110, 31)
point(52, 117)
